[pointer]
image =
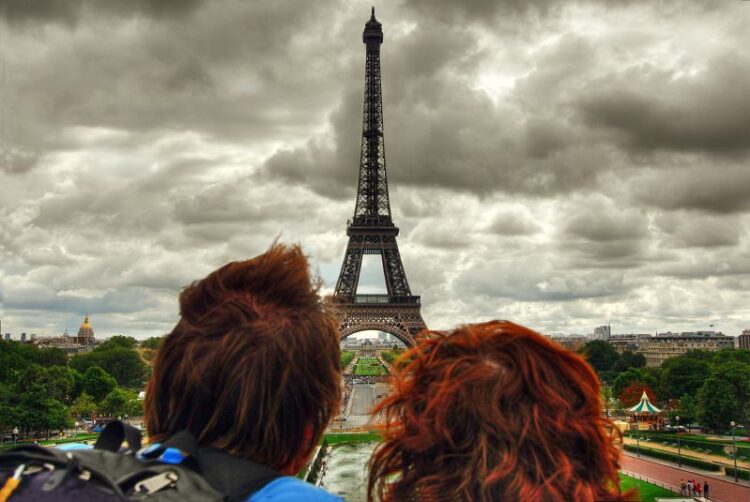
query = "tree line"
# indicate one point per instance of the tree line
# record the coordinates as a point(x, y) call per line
point(708, 388)
point(42, 389)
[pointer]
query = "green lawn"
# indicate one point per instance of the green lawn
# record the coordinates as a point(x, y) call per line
point(346, 358)
point(647, 492)
point(360, 370)
point(82, 436)
point(368, 361)
point(356, 437)
point(369, 366)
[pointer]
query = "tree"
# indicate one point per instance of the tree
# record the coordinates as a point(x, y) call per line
point(631, 394)
point(737, 375)
point(633, 375)
point(98, 383)
point(125, 365)
point(687, 409)
point(600, 355)
point(152, 343)
point(725, 355)
point(117, 342)
point(684, 375)
point(717, 404)
point(37, 411)
point(121, 402)
point(14, 357)
point(51, 356)
point(59, 381)
point(84, 406)
point(629, 359)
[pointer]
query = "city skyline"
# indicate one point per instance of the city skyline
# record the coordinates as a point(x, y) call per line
point(561, 165)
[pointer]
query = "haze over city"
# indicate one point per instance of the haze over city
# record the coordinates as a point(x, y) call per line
point(559, 164)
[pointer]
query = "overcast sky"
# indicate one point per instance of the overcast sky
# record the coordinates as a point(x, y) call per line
point(559, 164)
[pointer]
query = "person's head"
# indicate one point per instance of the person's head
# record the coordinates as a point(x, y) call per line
point(253, 365)
point(493, 411)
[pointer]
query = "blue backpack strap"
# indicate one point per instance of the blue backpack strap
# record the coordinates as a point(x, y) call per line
point(234, 477)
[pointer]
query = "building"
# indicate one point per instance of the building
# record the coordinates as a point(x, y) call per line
point(630, 342)
point(663, 346)
point(86, 334)
point(602, 332)
point(23, 337)
point(743, 341)
point(571, 342)
point(7, 337)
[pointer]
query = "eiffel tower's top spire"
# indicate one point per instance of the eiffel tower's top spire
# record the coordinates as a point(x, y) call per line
point(373, 30)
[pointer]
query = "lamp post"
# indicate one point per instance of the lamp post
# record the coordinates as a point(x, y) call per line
point(637, 435)
point(679, 453)
point(15, 435)
point(75, 431)
point(734, 451)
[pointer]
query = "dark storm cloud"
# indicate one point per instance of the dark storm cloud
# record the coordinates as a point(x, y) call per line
point(70, 11)
point(711, 187)
point(483, 11)
point(660, 109)
point(451, 135)
point(208, 74)
point(123, 300)
point(510, 224)
point(15, 161)
point(528, 278)
point(693, 229)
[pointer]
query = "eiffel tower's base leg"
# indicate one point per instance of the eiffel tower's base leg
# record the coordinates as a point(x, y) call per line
point(403, 322)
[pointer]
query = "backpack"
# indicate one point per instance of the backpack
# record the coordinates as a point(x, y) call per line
point(176, 470)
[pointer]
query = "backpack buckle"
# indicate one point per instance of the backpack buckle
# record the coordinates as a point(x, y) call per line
point(155, 483)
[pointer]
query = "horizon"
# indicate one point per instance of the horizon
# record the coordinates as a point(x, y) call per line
point(562, 175)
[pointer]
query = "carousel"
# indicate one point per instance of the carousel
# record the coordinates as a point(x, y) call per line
point(645, 416)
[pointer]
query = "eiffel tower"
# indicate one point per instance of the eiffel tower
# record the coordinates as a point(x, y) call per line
point(372, 231)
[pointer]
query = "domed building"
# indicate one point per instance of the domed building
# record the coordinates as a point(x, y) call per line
point(86, 333)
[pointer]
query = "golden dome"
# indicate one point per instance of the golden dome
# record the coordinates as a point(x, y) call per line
point(86, 324)
point(86, 331)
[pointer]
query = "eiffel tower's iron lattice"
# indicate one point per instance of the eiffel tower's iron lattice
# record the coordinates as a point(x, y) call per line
point(372, 231)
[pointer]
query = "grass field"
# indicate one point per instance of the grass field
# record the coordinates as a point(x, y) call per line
point(646, 491)
point(346, 358)
point(369, 366)
point(357, 437)
point(360, 370)
point(82, 436)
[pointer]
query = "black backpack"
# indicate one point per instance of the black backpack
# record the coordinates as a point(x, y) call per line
point(109, 473)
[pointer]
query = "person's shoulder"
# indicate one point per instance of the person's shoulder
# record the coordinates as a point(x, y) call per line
point(290, 489)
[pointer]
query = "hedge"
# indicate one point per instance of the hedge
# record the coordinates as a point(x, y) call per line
point(665, 455)
point(741, 473)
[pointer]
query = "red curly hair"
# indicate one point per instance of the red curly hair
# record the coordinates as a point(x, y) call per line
point(494, 411)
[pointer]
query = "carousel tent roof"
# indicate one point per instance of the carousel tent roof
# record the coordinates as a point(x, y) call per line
point(644, 406)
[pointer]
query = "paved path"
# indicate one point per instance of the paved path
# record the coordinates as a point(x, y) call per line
point(363, 399)
point(689, 453)
point(721, 491)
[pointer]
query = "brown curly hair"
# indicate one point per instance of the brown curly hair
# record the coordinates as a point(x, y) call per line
point(253, 366)
point(494, 411)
